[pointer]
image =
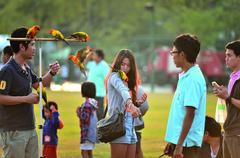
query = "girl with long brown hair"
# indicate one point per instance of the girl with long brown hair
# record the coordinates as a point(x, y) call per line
point(121, 98)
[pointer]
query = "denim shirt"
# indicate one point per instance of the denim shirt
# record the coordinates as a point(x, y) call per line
point(118, 94)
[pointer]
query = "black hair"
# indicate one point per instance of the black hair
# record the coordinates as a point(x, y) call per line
point(7, 50)
point(189, 44)
point(50, 103)
point(19, 33)
point(99, 53)
point(47, 106)
point(88, 89)
point(213, 127)
point(235, 46)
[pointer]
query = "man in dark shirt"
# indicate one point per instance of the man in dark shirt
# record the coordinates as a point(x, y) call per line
point(18, 137)
point(231, 140)
point(212, 140)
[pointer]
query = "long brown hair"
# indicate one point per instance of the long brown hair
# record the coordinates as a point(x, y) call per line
point(133, 76)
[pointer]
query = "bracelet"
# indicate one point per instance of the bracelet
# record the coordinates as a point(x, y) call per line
point(51, 73)
point(229, 100)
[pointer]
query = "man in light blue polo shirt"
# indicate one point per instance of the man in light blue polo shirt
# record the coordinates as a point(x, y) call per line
point(97, 72)
point(186, 120)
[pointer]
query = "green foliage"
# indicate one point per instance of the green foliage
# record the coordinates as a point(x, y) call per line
point(114, 24)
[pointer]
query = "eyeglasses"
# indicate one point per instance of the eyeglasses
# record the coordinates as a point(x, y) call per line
point(174, 52)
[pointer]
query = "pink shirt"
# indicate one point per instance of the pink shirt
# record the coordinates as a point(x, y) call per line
point(233, 78)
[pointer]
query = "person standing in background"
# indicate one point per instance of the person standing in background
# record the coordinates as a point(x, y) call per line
point(6, 55)
point(97, 72)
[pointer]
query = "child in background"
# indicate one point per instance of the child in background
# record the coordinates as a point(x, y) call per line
point(51, 124)
point(88, 119)
point(7, 53)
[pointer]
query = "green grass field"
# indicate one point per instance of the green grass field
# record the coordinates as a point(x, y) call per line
point(152, 136)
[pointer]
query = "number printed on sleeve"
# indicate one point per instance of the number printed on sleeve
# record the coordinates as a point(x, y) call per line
point(2, 85)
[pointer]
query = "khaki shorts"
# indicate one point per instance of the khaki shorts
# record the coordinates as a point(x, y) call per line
point(19, 144)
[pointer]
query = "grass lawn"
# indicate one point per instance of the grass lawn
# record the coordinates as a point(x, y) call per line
point(152, 136)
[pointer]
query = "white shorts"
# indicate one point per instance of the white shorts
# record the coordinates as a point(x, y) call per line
point(87, 146)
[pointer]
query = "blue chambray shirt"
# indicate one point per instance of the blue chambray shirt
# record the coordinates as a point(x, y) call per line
point(191, 91)
point(118, 94)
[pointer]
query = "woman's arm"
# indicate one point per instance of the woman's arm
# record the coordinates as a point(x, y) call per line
point(123, 90)
point(120, 87)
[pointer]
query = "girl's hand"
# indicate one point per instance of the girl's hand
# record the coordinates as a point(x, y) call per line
point(133, 110)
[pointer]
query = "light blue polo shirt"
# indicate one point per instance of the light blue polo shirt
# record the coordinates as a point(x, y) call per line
point(191, 91)
point(97, 73)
